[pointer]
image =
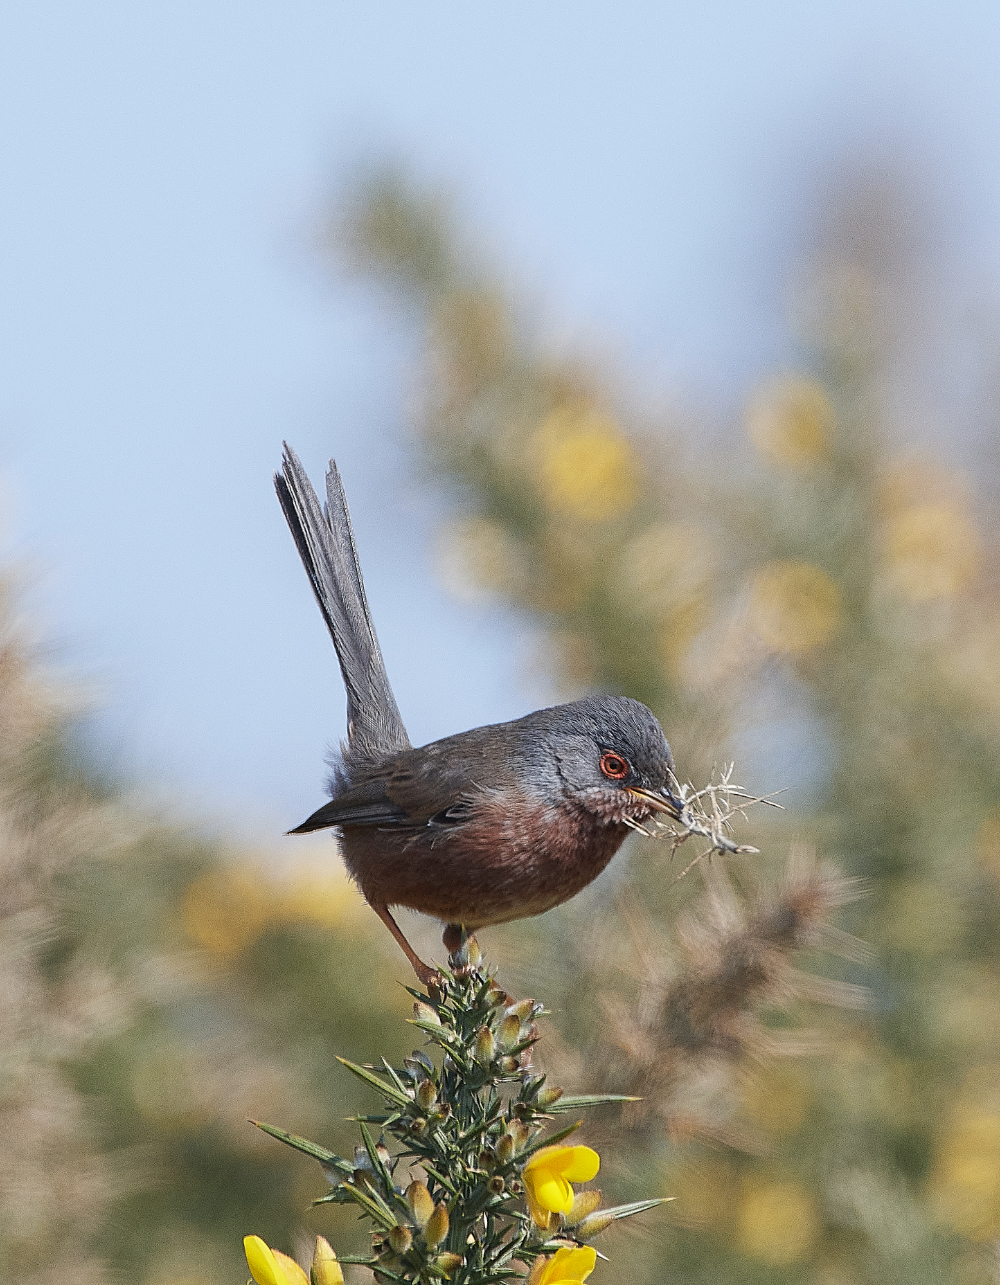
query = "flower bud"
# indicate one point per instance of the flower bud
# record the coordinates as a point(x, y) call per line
point(426, 1095)
point(400, 1238)
point(437, 1226)
point(505, 1149)
point(523, 1009)
point(550, 1095)
point(485, 1046)
point(497, 1185)
point(497, 996)
point(418, 1124)
point(584, 1203)
point(509, 1031)
point(447, 1263)
point(325, 1269)
point(519, 1134)
point(593, 1225)
point(421, 1203)
point(424, 1013)
point(467, 956)
point(509, 1065)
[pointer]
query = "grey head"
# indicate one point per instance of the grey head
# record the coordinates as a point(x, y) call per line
point(606, 752)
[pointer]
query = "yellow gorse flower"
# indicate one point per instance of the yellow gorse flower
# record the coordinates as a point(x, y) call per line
point(547, 1178)
point(584, 466)
point(270, 1266)
point(794, 606)
point(568, 1266)
point(791, 422)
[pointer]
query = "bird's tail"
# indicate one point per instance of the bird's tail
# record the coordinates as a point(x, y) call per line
point(325, 541)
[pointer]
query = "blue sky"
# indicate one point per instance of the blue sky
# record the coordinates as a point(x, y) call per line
point(642, 168)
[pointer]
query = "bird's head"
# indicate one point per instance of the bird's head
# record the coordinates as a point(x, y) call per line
point(612, 758)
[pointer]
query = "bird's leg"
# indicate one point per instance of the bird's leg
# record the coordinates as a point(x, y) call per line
point(462, 947)
point(428, 976)
point(454, 935)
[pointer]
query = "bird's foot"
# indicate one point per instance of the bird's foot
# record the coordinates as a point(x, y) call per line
point(430, 979)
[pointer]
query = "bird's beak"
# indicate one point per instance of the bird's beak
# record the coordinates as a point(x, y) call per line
point(660, 801)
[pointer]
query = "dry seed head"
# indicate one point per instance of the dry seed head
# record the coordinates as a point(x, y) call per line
point(738, 962)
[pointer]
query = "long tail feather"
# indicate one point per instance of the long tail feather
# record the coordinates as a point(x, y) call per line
point(325, 542)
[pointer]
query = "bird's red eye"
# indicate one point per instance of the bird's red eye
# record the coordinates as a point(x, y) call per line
point(614, 767)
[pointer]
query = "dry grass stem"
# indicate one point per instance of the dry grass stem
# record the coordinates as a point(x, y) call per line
point(708, 814)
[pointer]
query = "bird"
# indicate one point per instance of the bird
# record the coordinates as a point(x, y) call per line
point(487, 826)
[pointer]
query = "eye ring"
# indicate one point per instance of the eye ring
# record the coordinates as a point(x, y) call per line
point(614, 767)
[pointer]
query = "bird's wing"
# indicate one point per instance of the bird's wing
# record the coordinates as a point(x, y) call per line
point(382, 813)
point(325, 542)
point(401, 797)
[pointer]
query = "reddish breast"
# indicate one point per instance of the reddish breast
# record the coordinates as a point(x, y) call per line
point(513, 858)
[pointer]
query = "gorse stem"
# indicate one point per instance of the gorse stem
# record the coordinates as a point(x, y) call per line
point(462, 1175)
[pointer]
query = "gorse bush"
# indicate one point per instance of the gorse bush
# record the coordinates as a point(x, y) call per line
point(814, 578)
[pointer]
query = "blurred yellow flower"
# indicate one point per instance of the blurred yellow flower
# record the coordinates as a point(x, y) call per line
point(566, 1267)
point(226, 909)
point(777, 1222)
point(965, 1181)
point(790, 421)
point(270, 1266)
point(794, 606)
point(547, 1178)
point(585, 467)
point(932, 551)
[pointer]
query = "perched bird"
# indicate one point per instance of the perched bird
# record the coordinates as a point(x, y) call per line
point(494, 824)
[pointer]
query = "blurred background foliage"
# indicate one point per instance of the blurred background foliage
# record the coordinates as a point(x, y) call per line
point(808, 574)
